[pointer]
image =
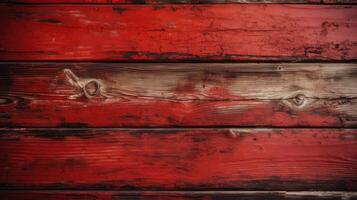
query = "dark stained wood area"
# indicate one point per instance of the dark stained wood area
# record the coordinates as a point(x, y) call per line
point(252, 159)
point(206, 32)
point(176, 195)
point(166, 95)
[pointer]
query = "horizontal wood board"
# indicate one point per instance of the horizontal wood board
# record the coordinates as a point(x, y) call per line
point(177, 95)
point(216, 32)
point(169, 159)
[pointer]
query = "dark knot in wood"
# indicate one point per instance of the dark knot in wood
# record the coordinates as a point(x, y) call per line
point(299, 99)
point(91, 89)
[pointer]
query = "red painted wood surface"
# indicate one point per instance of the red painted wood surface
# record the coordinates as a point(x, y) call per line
point(175, 195)
point(178, 32)
point(253, 159)
point(113, 163)
point(172, 95)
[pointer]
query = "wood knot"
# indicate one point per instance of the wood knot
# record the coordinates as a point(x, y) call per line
point(85, 86)
point(91, 89)
point(299, 99)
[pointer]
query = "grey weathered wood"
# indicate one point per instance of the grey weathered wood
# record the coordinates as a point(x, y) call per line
point(184, 81)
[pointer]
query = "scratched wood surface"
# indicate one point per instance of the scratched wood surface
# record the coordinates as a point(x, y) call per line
point(176, 195)
point(183, 1)
point(252, 159)
point(215, 32)
point(165, 95)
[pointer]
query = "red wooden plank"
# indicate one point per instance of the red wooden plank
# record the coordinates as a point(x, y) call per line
point(253, 159)
point(165, 95)
point(176, 195)
point(178, 32)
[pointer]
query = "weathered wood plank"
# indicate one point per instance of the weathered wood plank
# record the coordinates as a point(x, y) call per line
point(253, 159)
point(178, 32)
point(182, 195)
point(184, 1)
point(164, 95)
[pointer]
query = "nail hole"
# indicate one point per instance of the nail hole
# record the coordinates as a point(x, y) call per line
point(92, 88)
point(279, 68)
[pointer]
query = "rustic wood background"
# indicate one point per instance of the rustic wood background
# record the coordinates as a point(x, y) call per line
point(178, 99)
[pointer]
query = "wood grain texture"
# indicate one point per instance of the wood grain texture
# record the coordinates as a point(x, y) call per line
point(182, 1)
point(171, 95)
point(176, 195)
point(214, 32)
point(169, 159)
